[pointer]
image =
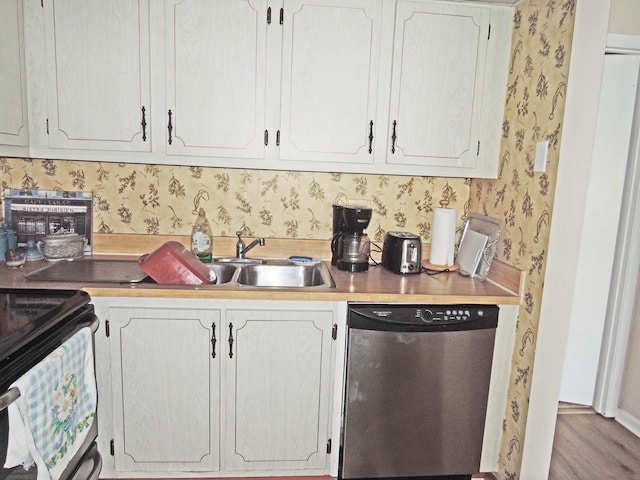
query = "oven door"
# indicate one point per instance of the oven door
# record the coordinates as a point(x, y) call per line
point(87, 463)
point(85, 466)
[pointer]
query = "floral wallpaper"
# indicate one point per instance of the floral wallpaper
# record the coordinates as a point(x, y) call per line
point(534, 109)
point(157, 199)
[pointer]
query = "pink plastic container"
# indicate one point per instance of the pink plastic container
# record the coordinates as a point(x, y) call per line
point(173, 264)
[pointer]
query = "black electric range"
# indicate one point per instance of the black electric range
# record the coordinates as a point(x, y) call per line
point(33, 323)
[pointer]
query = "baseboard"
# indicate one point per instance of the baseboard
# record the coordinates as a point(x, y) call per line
point(628, 421)
point(572, 408)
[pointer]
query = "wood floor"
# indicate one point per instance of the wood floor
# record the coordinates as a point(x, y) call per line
point(590, 446)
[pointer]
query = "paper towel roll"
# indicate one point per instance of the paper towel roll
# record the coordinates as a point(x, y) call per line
point(443, 236)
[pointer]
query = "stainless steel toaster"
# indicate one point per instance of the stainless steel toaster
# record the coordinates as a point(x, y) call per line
point(402, 252)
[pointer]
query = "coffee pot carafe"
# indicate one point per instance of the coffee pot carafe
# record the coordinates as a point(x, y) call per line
point(350, 246)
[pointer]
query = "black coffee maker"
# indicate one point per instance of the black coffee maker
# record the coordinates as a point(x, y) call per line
point(350, 246)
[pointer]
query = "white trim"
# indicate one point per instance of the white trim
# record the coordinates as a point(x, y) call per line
point(629, 422)
point(623, 286)
point(617, 43)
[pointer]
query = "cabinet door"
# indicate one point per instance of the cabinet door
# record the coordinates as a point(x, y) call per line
point(278, 389)
point(98, 62)
point(13, 99)
point(437, 83)
point(215, 77)
point(331, 51)
point(165, 389)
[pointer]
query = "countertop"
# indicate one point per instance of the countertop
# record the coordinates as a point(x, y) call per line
point(504, 286)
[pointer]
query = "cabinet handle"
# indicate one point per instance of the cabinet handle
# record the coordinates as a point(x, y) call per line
point(370, 136)
point(393, 138)
point(230, 340)
point(269, 16)
point(213, 340)
point(281, 16)
point(266, 138)
point(144, 125)
point(278, 138)
point(170, 127)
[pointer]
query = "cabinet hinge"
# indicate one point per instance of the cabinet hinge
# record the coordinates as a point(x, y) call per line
point(112, 448)
point(478, 152)
point(489, 34)
point(334, 331)
point(106, 328)
point(329, 446)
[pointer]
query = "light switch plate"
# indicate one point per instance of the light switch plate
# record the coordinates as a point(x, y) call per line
point(542, 152)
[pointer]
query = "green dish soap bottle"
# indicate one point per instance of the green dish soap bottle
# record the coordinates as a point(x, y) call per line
point(201, 245)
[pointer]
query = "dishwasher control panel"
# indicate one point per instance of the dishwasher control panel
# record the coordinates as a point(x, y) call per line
point(418, 315)
point(448, 314)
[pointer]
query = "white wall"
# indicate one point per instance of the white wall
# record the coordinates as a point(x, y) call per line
point(624, 17)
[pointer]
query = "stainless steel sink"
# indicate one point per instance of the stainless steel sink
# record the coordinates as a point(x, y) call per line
point(276, 275)
point(224, 272)
point(272, 273)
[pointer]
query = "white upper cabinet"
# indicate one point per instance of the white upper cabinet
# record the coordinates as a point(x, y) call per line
point(13, 95)
point(439, 61)
point(97, 55)
point(215, 77)
point(330, 58)
point(404, 87)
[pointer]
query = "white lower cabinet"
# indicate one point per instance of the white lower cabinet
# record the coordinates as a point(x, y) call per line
point(166, 389)
point(210, 387)
point(277, 389)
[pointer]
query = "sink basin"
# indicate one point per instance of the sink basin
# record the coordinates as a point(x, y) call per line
point(273, 273)
point(285, 275)
point(224, 272)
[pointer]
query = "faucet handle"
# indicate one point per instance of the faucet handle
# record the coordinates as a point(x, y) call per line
point(239, 245)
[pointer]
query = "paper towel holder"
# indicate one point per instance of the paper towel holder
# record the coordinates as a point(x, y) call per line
point(444, 203)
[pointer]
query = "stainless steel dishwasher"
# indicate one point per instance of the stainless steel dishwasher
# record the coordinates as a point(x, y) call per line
point(417, 382)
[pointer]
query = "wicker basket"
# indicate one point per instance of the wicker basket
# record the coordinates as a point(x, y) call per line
point(62, 246)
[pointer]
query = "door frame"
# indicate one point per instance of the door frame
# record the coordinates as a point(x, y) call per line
point(624, 280)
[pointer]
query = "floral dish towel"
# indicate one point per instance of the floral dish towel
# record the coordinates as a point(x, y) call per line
point(56, 407)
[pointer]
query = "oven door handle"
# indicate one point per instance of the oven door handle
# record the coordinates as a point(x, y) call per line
point(8, 397)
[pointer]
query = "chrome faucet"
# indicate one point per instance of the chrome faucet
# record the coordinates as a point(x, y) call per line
point(242, 249)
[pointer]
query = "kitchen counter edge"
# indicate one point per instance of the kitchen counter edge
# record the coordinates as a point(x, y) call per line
point(504, 286)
